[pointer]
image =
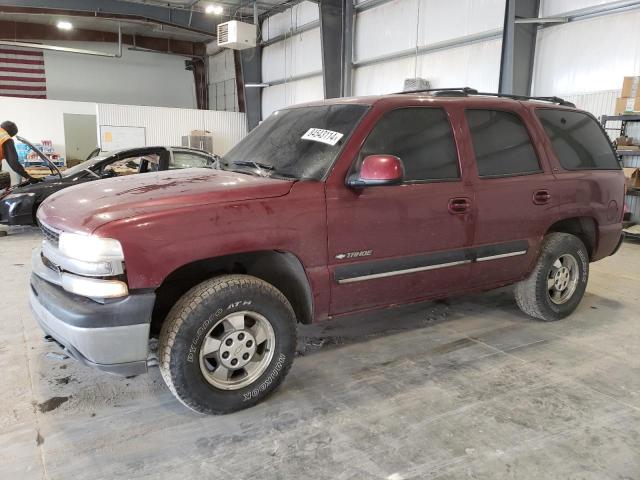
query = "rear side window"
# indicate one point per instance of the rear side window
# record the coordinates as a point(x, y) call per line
point(422, 138)
point(578, 140)
point(501, 143)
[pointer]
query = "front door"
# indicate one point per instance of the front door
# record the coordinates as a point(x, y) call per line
point(394, 244)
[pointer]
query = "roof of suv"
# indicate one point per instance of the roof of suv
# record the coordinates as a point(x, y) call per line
point(466, 96)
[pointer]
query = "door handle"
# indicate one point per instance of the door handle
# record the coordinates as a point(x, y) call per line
point(459, 205)
point(540, 197)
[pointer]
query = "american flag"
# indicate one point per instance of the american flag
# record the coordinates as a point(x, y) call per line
point(22, 73)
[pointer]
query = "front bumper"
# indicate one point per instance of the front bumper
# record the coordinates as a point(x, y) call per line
point(112, 336)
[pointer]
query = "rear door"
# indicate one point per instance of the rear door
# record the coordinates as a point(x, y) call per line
point(394, 244)
point(513, 190)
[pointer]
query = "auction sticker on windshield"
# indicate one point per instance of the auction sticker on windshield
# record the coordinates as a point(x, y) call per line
point(323, 136)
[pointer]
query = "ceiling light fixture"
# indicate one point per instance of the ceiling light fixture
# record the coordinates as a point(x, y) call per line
point(64, 25)
point(214, 9)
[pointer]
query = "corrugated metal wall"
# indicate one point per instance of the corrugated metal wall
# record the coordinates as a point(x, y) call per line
point(297, 55)
point(166, 126)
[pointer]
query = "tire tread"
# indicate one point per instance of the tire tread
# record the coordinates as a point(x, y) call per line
point(188, 303)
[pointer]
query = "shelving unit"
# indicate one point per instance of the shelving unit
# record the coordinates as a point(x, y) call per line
point(632, 199)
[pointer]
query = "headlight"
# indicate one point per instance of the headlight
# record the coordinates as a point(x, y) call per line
point(89, 248)
point(91, 287)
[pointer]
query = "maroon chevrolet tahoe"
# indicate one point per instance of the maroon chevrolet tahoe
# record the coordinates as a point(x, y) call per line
point(325, 209)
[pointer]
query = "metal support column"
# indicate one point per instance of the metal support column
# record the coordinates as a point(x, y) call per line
point(518, 46)
point(336, 33)
point(251, 97)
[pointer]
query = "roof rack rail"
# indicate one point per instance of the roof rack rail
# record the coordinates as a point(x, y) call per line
point(441, 92)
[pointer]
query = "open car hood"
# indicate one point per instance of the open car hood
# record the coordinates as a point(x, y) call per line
point(84, 208)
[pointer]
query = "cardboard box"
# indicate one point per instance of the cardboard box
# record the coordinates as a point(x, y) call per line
point(627, 105)
point(201, 133)
point(631, 87)
point(632, 176)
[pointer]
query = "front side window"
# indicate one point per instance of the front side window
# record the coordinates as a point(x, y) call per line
point(501, 143)
point(299, 143)
point(422, 138)
point(577, 140)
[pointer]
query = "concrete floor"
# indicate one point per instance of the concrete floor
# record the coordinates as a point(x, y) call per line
point(468, 388)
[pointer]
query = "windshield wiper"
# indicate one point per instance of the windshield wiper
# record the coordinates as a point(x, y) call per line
point(260, 167)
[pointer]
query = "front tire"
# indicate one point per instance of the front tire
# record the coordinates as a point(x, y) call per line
point(227, 344)
point(556, 285)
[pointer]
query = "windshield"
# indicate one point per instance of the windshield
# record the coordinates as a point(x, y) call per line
point(81, 167)
point(299, 143)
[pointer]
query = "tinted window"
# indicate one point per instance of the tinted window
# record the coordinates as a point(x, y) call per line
point(188, 160)
point(501, 143)
point(278, 146)
point(578, 141)
point(421, 138)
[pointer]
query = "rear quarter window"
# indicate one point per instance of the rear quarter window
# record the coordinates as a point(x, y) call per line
point(578, 141)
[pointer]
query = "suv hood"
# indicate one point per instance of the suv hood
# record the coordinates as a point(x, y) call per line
point(84, 208)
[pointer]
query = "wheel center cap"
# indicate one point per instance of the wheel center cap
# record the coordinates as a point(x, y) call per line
point(561, 278)
point(238, 348)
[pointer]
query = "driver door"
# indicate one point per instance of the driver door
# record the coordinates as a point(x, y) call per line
point(399, 243)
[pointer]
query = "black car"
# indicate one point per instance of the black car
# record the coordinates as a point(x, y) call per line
point(18, 205)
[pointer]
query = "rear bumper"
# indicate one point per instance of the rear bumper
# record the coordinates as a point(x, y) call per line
point(113, 336)
point(609, 240)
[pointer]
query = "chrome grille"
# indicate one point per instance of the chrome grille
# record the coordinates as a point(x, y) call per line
point(50, 234)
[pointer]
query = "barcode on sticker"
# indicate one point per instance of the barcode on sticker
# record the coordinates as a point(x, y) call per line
point(323, 136)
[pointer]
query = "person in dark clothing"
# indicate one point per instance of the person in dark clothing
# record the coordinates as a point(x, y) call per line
point(8, 151)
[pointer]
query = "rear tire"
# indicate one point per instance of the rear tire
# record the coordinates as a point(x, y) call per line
point(227, 344)
point(557, 283)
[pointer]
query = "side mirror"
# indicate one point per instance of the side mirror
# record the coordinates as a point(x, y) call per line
point(378, 170)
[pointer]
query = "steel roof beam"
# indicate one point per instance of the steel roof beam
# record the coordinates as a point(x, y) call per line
point(183, 18)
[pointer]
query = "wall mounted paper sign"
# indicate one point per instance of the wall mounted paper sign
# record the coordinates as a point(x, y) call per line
point(118, 138)
point(323, 136)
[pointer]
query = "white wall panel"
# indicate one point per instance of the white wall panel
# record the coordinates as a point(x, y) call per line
point(555, 7)
point(297, 55)
point(291, 93)
point(447, 19)
point(391, 27)
point(166, 126)
point(475, 65)
point(385, 29)
point(138, 78)
point(598, 103)
point(293, 18)
point(222, 82)
point(587, 56)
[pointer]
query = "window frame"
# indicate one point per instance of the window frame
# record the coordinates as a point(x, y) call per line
point(526, 129)
point(552, 150)
point(357, 163)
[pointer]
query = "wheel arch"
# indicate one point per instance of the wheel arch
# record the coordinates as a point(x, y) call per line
point(283, 270)
point(583, 227)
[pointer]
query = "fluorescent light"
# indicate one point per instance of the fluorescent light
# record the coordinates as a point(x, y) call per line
point(214, 9)
point(64, 25)
point(256, 85)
